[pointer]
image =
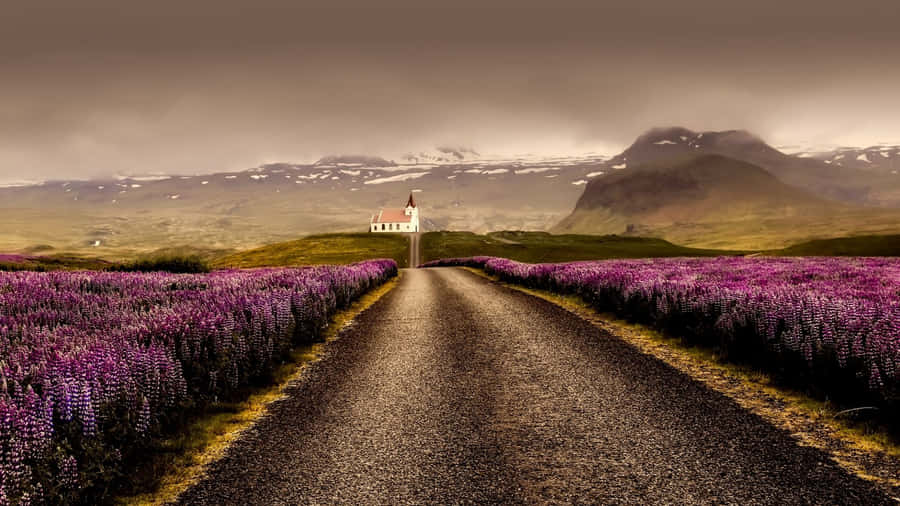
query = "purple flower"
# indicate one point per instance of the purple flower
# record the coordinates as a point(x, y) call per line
point(80, 350)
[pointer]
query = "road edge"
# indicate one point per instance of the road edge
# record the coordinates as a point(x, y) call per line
point(809, 421)
point(192, 465)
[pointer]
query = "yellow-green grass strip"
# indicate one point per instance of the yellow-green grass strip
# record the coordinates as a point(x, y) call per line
point(860, 448)
point(205, 440)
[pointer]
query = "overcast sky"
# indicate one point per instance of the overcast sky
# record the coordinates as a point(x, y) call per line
point(98, 88)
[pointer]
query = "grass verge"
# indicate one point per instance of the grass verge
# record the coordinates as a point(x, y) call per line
point(862, 447)
point(184, 457)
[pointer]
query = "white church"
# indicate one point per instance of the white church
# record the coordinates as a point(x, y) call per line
point(397, 220)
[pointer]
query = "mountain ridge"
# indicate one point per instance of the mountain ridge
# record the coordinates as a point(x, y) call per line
point(279, 201)
point(695, 200)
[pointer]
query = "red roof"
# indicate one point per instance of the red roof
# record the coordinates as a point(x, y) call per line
point(392, 216)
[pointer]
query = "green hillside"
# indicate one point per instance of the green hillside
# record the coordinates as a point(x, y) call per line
point(321, 249)
point(545, 247)
point(863, 245)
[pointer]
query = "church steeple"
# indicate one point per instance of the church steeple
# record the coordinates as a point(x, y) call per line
point(411, 202)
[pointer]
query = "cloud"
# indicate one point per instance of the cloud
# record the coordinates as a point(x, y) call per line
point(106, 88)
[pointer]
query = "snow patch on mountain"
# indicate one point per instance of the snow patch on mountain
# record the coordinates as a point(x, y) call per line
point(20, 183)
point(397, 178)
point(147, 178)
point(443, 154)
point(536, 170)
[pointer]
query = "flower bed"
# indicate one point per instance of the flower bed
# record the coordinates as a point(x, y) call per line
point(827, 324)
point(93, 363)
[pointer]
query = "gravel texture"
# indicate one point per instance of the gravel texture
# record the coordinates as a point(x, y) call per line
point(452, 389)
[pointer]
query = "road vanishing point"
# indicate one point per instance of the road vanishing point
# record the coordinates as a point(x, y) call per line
point(453, 389)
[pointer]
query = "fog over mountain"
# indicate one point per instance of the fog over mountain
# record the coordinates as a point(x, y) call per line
point(98, 88)
point(726, 189)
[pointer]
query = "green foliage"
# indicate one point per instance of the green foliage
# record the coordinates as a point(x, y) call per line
point(167, 263)
point(538, 247)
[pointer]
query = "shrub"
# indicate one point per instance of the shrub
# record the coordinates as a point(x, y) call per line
point(174, 264)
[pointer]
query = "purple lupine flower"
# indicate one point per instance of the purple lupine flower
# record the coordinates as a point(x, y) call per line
point(833, 313)
point(79, 347)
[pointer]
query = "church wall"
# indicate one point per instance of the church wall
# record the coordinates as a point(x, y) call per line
point(412, 226)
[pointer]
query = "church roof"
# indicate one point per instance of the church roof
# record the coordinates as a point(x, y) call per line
point(411, 202)
point(391, 216)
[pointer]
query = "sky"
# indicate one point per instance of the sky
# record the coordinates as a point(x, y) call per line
point(96, 88)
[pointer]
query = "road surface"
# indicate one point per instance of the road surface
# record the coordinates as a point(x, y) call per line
point(453, 389)
point(415, 252)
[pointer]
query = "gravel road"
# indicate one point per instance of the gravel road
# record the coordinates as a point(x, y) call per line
point(452, 389)
point(415, 253)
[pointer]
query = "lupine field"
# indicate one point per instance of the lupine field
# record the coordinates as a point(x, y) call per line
point(94, 363)
point(827, 324)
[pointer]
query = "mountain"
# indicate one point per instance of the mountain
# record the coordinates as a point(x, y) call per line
point(884, 159)
point(712, 200)
point(663, 143)
point(280, 201)
point(443, 154)
point(459, 189)
point(835, 181)
point(354, 161)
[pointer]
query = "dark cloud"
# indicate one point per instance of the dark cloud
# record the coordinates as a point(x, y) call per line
point(93, 88)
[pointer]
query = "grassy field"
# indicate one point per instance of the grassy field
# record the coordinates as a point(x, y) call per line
point(321, 249)
point(862, 246)
point(544, 247)
point(522, 246)
point(55, 262)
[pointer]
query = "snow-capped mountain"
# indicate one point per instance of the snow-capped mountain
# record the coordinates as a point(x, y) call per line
point(881, 158)
point(457, 189)
point(443, 154)
point(282, 200)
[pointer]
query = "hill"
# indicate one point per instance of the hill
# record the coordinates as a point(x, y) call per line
point(125, 216)
point(457, 188)
point(848, 183)
point(321, 249)
point(51, 262)
point(359, 160)
point(537, 247)
point(715, 201)
point(884, 159)
point(856, 246)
